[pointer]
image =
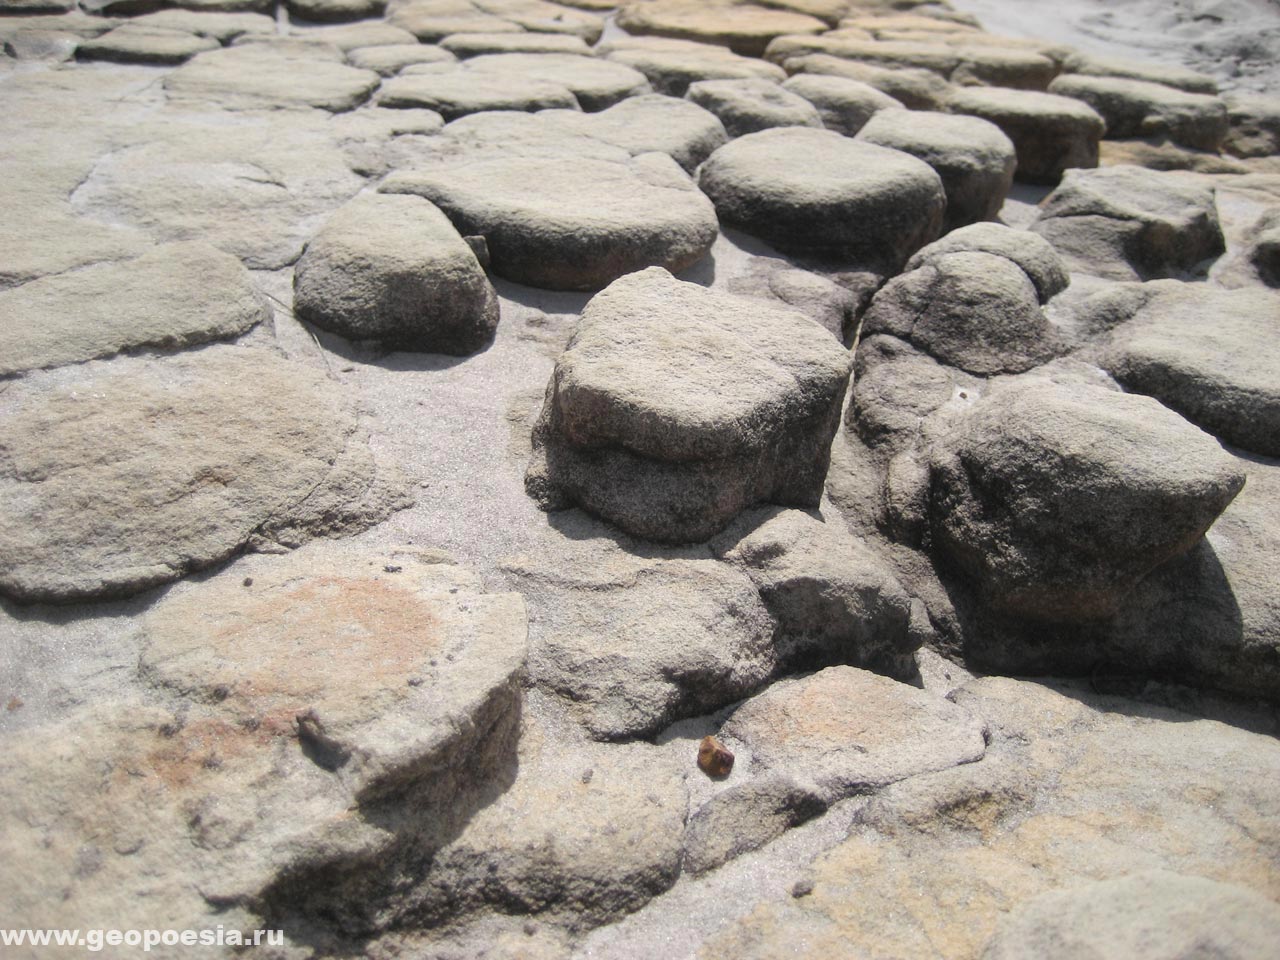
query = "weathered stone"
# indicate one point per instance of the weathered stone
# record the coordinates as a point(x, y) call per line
point(671, 65)
point(1255, 126)
point(974, 159)
point(1056, 500)
point(746, 106)
point(454, 91)
point(937, 58)
point(895, 387)
point(652, 122)
point(1038, 260)
point(1210, 355)
point(596, 83)
point(1127, 223)
point(972, 310)
point(993, 66)
point(177, 295)
point(392, 268)
point(368, 33)
point(590, 221)
point(465, 45)
point(434, 20)
point(817, 297)
point(816, 192)
point(1135, 108)
point(327, 10)
point(1051, 133)
point(130, 43)
point(255, 75)
point(1154, 914)
point(744, 28)
point(1088, 64)
point(539, 16)
point(675, 407)
point(914, 89)
point(251, 446)
point(53, 46)
point(223, 27)
point(389, 59)
point(844, 105)
point(1158, 153)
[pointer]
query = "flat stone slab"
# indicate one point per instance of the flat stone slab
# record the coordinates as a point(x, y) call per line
point(746, 106)
point(589, 222)
point(915, 89)
point(744, 28)
point(389, 59)
point(133, 43)
point(142, 470)
point(844, 105)
point(597, 84)
point(464, 45)
point(651, 122)
point(253, 76)
point(456, 91)
point(672, 65)
point(177, 295)
point(1030, 251)
point(675, 407)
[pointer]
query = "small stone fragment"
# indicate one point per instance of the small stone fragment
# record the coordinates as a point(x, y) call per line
point(714, 758)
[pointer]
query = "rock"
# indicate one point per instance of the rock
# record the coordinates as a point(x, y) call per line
point(1087, 64)
point(255, 76)
point(591, 221)
point(1157, 153)
point(816, 192)
point(1134, 108)
point(1255, 126)
point(176, 296)
point(456, 91)
point(389, 59)
point(1056, 500)
point(675, 407)
point(648, 123)
point(1051, 133)
point(1263, 250)
point(374, 141)
point(817, 297)
point(392, 268)
point(1150, 913)
point(433, 20)
point(254, 186)
point(974, 159)
point(746, 106)
point(339, 10)
point(972, 310)
point(671, 65)
point(635, 645)
point(1127, 223)
point(834, 600)
point(241, 445)
point(353, 36)
point(223, 27)
point(130, 43)
point(896, 386)
point(292, 46)
point(1038, 260)
point(1210, 355)
point(844, 105)
point(914, 89)
point(539, 16)
point(714, 758)
point(992, 66)
point(234, 800)
point(937, 58)
point(465, 45)
point(744, 28)
point(596, 83)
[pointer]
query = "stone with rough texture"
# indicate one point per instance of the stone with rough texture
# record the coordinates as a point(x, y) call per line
point(914, 89)
point(1255, 126)
point(1030, 251)
point(816, 192)
point(1087, 64)
point(1209, 354)
point(745, 29)
point(590, 221)
point(177, 295)
point(651, 122)
point(389, 59)
point(746, 106)
point(465, 45)
point(299, 706)
point(255, 76)
point(675, 407)
point(392, 268)
point(367, 33)
point(1135, 108)
point(223, 27)
point(336, 10)
point(844, 105)
point(241, 446)
point(816, 296)
point(1051, 133)
point(671, 65)
point(972, 310)
point(431, 22)
point(1155, 914)
point(1128, 223)
point(454, 91)
point(596, 83)
point(1056, 500)
point(132, 43)
point(974, 159)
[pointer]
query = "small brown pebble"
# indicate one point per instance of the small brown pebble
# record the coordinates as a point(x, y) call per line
point(714, 758)
point(15, 703)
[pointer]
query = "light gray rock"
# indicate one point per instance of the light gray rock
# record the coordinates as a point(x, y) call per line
point(746, 106)
point(834, 600)
point(255, 76)
point(240, 446)
point(938, 58)
point(223, 27)
point(1051, 133)
point(1038, 260)
point(590, 222)
point(671, 65)
point(816, 192)
point(1255, 126)
point(1129, 223)
point(1056, 500)
point(1091, 65)
point(175, 296)
point(465, 45)
point(53, 46)
point(651, 122)
point(675, 407)
point(994, 66)
point(972, 310)
point(913, 88)
point(1156, 914)
point(745, 28)
point(540, 16)
point(367, 33)
point(596, 83)
point(389, 59)
point(896, 386)
point(391, 267)
point(844, 105)
point(131, 43)
point(336, 10)
point(433, 20)
point(453, 91)
point(1135, 108)
point(1210, 355)
point(636, 644)
point(974, 159)
point(818, 297)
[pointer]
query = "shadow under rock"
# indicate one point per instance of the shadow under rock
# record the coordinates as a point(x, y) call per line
point(375, 353)
point(575, 523)
point(536, 298)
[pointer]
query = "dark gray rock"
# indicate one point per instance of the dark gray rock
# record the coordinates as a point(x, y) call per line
point(1135, 108)
point(336, 10)
point(746, 106)
point(1038, 260)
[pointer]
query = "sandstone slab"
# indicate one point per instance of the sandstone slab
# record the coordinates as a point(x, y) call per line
point(746, 106)
point(131, 43)
point(744, 28)
point(454, 91)
point(672, 64)
point(596, 83)
point(844, 105)
point(255, 76)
